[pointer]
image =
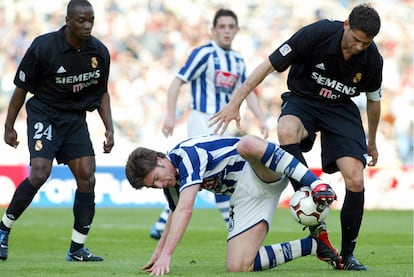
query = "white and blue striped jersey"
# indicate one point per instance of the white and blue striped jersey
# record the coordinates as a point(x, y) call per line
point(214, 73)
point(211, 161)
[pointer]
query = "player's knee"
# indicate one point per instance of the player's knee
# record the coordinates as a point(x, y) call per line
point(287, 134)
point(290, 130)
point(355, 183)
point(86, 184)
point(247, 145)
point(39, 174)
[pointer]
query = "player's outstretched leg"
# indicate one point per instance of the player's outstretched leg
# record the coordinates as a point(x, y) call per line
point(278, 160)
point(270, 256)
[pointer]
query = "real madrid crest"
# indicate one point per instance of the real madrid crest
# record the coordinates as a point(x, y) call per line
point(357, 78)
point(94, 62)
point(38, 145)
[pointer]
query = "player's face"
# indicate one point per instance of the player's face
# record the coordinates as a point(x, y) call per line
point(162, 176)
point(355, 41)
point(225, 31)
point(80, 23)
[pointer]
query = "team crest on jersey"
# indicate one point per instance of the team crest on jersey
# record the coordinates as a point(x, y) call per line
point(94, 62)
point(357, 78)
point(38, 145)
point(285, 49)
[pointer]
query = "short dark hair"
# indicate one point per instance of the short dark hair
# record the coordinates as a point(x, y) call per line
point(366, 19)
point(140, 162)
point(75, 3)
point(224, 12)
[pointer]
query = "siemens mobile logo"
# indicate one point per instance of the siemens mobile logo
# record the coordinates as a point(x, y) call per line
point(334, 84)
point(84, 77)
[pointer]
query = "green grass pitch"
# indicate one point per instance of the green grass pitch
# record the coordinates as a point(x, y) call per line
point(40, 239)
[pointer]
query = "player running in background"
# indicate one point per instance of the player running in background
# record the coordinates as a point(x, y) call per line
point(250, 170)
point(214, 71)
point(67, 73)
point(330, 62)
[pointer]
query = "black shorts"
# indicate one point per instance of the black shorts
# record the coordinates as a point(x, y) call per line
point(339, 123)
point(55, 133)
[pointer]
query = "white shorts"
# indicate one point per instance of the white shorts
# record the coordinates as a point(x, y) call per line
point(198, 124)
point(253, 201)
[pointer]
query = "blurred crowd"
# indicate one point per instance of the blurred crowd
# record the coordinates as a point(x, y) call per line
point(149, 40)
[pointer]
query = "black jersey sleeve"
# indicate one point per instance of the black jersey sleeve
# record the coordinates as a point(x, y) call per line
point(293, 49)
point(29, 73)
point(298, 48)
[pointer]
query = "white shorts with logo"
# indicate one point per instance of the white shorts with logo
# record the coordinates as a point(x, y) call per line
point(253, 201)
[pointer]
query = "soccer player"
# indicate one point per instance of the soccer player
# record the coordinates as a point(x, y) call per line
point(254, 173)
point(214, 71)
point(330, 62)
point(67, 73)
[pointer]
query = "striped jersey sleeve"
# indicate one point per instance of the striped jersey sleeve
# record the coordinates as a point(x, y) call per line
point(211, 161)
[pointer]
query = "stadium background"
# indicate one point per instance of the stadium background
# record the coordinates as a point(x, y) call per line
point(149, 41)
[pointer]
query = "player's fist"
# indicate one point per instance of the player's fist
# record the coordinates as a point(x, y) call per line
point(323, 194)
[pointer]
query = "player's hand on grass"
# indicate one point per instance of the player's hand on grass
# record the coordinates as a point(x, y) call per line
point(148, 265)
point(161, 266)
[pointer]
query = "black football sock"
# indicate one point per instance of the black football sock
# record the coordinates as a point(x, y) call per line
point(75, 246)
point(351, 218)
point(294, 149)
point(22, 198)
point(83, 211)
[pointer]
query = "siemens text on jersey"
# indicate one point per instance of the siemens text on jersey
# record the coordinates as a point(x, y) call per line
point(77, 79)
point(337, 86)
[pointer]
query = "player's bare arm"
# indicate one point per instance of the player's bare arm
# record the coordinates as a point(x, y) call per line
point(232, 110)
point(172, 97)
point(16, 103)
point(160, 245)
point(179, 222)
point(104, 111)
point(373, 114)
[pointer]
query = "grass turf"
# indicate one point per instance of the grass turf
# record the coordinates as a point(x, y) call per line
point(41, 237)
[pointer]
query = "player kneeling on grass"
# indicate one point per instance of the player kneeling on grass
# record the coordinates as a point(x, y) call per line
point(254, 172)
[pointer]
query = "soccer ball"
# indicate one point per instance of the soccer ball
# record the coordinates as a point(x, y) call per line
point(304, 210)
